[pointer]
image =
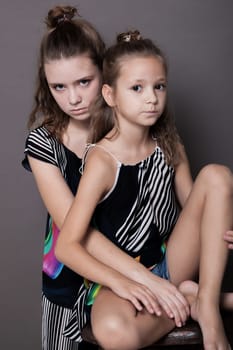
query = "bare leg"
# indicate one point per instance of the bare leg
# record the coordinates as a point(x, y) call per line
point(190, 290)
point(197, 245)
point(116, 324)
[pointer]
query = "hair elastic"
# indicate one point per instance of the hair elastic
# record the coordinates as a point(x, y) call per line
point(64, 18)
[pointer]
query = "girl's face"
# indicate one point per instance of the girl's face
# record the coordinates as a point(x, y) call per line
point(74, 83)
point(139, 96)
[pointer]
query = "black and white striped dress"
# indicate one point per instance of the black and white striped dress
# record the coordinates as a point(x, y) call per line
point(138, 215)
point(60, 284)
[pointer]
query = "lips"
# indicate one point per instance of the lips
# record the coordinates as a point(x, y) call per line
point(151, 112)
point(79, 110)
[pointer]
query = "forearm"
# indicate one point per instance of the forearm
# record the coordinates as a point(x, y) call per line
point(104, 250)
point(72, 254)
point(161, 289)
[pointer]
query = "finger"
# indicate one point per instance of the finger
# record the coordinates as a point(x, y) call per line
point(166, 307)
point(149, 301)
point(176, 294)
point(167, 300)
point(176, 309)
point(184, 302)
point(177, 318)
point(181, 312)
point(153, 307)
point(152, 304)
point(136, 303)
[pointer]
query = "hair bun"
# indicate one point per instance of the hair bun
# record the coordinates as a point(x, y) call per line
point(129, 36)
point(60, 14)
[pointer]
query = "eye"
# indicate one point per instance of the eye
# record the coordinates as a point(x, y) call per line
point(137, 88)
point(58, 87)
point(84, 82)
point(160, 87)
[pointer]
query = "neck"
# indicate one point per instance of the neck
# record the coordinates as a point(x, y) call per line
point(130, 146)
point(81, 125)
point(134, 136)
point(75, 136)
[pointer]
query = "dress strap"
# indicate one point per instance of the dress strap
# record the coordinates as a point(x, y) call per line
point(92, 145)
point(111, 154)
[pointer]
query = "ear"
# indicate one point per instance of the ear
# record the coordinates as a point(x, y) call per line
point(108, 95)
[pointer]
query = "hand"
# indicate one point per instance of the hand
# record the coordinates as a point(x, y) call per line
point(138, 294)
point(228, 237)
point(170, 299)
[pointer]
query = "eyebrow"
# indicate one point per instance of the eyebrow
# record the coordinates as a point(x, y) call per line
point(76, 80)
point(160, 79)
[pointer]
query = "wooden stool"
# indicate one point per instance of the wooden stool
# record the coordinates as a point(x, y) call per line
point(188, 337)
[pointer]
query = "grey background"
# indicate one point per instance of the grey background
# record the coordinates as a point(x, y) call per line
point(196, 36)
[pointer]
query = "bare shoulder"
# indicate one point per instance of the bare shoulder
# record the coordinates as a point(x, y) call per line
point(100, 163)
point(101, 156)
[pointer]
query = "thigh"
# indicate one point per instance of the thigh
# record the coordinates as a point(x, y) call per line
point(183, 248)
point(54, 319)
point(114, 316)
point(108, 306)
point(206, 214)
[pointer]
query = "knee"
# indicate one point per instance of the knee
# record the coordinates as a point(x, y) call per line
point(217, 176)
point(114, 333)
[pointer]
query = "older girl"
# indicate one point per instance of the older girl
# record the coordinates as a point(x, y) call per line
point(69, 79)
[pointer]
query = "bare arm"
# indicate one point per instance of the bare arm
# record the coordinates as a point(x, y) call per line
point(183, 177)
point(54, 191)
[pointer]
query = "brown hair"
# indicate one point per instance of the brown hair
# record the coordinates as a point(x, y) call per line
point(65, 37)
point(103, 118)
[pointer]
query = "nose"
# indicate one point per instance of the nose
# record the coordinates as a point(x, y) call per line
point(74, 96)
point(151, 96)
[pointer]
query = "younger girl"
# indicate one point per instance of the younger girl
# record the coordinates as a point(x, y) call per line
point(135, 178)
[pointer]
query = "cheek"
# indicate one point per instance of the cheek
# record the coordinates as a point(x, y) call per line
point(60, 100)
point(95, 91)
point(164, 99)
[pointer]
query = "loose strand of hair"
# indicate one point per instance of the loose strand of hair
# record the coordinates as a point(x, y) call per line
point(102, 120)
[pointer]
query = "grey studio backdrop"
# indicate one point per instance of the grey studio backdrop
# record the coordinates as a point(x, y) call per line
point(197, 36)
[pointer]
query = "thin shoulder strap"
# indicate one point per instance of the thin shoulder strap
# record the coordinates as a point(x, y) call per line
point(111, 154)
point(91, 145)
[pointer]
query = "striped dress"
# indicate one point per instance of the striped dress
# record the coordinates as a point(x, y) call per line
point(60, 284)
point(137, 214)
